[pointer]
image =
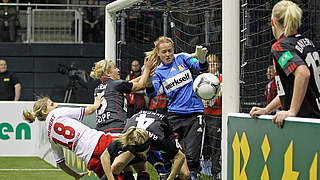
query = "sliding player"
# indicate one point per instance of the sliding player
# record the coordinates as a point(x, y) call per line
point(65, 130)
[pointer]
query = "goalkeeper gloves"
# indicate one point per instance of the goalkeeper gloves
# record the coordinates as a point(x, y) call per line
point(200, 53)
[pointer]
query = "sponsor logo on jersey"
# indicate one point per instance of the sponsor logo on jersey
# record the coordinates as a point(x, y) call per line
point(172, 69)
point(285, 58)
point(193, 60)
point(178, 81)
point(181, 67)
point(6, 79)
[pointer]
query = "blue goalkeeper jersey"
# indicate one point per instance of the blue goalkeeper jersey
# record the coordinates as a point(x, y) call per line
point(176, 80)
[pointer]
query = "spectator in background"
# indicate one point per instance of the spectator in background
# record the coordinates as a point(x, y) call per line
point(136, 100)
point(10, 87)
point(271, 87)
point(8, 19)
point(91, 27)
point(296, 62)
point(213, 118)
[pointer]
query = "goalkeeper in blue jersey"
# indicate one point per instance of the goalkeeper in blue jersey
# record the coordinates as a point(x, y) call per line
point(185, 110)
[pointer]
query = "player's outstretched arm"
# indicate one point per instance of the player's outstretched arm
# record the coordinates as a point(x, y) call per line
point(149, 64)
point(106, 164)
point(178, 161)
point(71, 172)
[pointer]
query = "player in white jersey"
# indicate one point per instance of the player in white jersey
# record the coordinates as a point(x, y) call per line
point(64, 130)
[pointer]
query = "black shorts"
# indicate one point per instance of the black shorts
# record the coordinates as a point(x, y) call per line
point(112, 127)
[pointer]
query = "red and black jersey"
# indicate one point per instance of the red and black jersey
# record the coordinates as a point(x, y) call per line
point(289, 53)
point(114, 106)
point(160, 132)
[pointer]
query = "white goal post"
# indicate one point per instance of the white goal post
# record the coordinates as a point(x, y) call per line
point(230, 70)
point(110, 26)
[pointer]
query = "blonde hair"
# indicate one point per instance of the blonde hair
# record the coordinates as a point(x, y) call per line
point(38, 107)
point(155, 50)
point(133, 136)
point(288, 15)
point(99, 69)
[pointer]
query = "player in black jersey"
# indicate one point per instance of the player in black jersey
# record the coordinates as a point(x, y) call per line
point(161, 138)
point(112, 114)
point(297, 65)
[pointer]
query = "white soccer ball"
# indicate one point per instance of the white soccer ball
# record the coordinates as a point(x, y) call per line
point(206, 86)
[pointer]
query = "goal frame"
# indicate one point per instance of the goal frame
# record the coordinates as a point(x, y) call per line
point(110, 26)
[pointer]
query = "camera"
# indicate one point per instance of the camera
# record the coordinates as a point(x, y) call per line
point(73, 72)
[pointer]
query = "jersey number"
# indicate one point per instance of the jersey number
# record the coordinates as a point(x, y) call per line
point(313, 61)
point(65, 131)
point(143, 121)
point(103, 106)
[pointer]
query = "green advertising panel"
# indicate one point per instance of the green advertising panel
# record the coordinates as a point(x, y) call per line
point(258, 149)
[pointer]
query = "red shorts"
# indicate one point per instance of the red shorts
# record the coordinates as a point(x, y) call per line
point(95, 162)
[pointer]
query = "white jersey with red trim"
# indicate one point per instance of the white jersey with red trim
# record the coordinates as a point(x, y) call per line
point(65, 130)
